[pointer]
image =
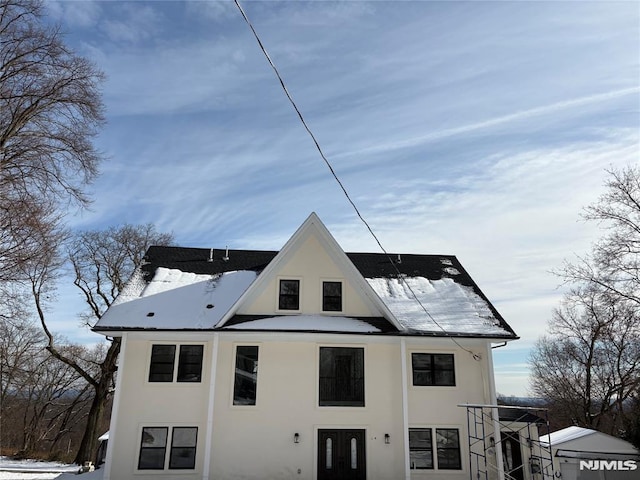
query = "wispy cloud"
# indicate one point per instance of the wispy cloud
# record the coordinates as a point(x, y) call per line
point(474, 128)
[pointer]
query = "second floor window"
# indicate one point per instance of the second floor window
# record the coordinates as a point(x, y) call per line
point(246, 375)
point(341, 376)
point(433, 369)
point(163, 363)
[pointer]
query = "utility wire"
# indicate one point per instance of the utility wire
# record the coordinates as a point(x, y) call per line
point(337, 179)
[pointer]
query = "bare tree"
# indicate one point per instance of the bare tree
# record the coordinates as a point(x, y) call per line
point(589, 364)
point(614, 263)
point(588, 367)
point(102, 261)
point(50, 110)
point(41, 401)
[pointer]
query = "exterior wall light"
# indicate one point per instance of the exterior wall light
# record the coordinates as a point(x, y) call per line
point(387, 438)
point(296, 437)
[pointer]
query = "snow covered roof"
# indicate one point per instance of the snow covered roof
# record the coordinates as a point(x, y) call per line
point(175, 300)
point(193, 288)
point(451, 307)
point(315, 323)
point(565, 435)
point(578, 442)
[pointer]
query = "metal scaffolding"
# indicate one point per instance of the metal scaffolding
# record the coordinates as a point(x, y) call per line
point(504, 443)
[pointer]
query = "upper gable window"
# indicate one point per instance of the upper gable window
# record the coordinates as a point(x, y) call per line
point(433, 369)
point(289, 295)
point(163, 363)
point(331, 296)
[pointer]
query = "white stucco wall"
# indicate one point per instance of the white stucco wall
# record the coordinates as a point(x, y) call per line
point(256, 442)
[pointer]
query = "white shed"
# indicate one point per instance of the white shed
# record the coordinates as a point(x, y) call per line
point(585, 454)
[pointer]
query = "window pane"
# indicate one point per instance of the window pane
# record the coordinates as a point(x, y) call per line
point(183, 448)
point(332, 296)
point(153, 448)
point(190, 363)
point(433, 369)
point(162, 359)
point(354, 454)
point(448, 445)
point(329, 454)
point(154, 436)
point(182, 458)
point(421, 459)
point(420, 448)
point(289, 298)
point(151, 459)
point(420, 438)
point(184, 436)
point(246, 376)
point(341, 376)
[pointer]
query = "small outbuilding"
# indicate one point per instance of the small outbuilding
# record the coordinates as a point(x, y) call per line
point(585, 454)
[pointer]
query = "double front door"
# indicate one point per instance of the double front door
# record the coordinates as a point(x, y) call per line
point(341, 454)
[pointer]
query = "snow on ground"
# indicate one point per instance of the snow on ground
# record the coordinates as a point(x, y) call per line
point(37, 470)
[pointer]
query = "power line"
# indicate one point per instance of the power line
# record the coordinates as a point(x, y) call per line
point(337, 179)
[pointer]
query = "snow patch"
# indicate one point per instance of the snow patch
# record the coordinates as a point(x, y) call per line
point(453, 308)
point(178, 300)
point(319, 323)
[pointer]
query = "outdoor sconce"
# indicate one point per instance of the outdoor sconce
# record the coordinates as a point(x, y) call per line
point(296, 437)
point(387, 438)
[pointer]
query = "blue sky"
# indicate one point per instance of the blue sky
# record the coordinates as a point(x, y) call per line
point(479, 129)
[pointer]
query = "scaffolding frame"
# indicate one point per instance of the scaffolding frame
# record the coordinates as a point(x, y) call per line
point(485, 443)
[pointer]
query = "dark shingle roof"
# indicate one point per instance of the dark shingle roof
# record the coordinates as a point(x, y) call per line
point(370, 265)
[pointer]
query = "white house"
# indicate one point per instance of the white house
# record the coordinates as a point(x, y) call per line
point(307, 363)
point(585, 454)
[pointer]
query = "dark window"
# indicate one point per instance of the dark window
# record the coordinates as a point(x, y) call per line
point(435, 369)
point(162, 360)
point(153, 448)
point(341, 376)
point(246, 378)
point(420, 449)
point(183, 448)
point(448, 446)
point(331, 296)
point(289, 298)
point(190, 363)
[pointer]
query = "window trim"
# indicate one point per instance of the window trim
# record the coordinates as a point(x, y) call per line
point(364, 375)
point(233, 373)
point(342, 297)
point(176, 364)
point(280, 279)
point(432, 353)
point(434, 450)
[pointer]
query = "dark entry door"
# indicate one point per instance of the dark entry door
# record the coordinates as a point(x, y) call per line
point(512, 455)
point(341, 455)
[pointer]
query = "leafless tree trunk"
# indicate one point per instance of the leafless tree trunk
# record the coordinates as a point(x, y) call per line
point(102, 261)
